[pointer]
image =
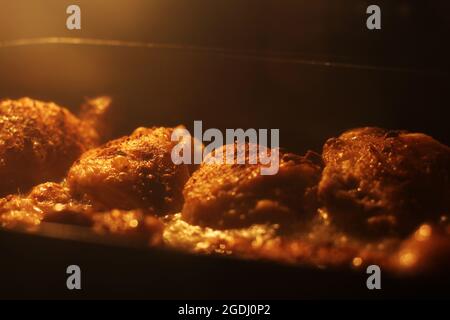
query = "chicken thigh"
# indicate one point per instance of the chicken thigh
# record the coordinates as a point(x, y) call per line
point(132, 172)
point(380, 182)
point(39, 141)
point(223, 196)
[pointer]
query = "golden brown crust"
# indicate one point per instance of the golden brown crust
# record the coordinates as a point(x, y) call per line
point(379, 181)
point(96, 115)
point(53, 202)
point(375, 182)
point(227, 196)
point(38, 142)
point(132, 172)
point(120, 222)
point(50, 202)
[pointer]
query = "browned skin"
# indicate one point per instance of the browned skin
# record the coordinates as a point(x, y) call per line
point(378, 182)
point(97, 114)
point(227, 196)
point(48, 201)
point(52, 202)
point(237, 196)
point(132, 172)
point(39, 141)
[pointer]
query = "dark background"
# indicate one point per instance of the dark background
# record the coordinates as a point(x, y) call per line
point(35, 268)
point(309, 103)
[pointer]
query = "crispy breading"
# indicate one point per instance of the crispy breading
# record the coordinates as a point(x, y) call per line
point(227, 196)
point(39, 141)
point(132, 172)
point(377, 181)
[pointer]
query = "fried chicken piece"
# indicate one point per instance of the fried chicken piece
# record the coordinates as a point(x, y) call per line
point(39, 141)
point(225, 196)
point(132, 172)
point(97, 114)
point(17, 212)
point(378, 182)
point(52, 202)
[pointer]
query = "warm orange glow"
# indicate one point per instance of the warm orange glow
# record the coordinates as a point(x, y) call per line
point(323, 214)
point(423, 233)
point(357, 261)
point(408, 259)
point(134, 223)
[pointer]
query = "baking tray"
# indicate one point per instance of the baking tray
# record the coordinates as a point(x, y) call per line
point(308, 96)
point(33, 266)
